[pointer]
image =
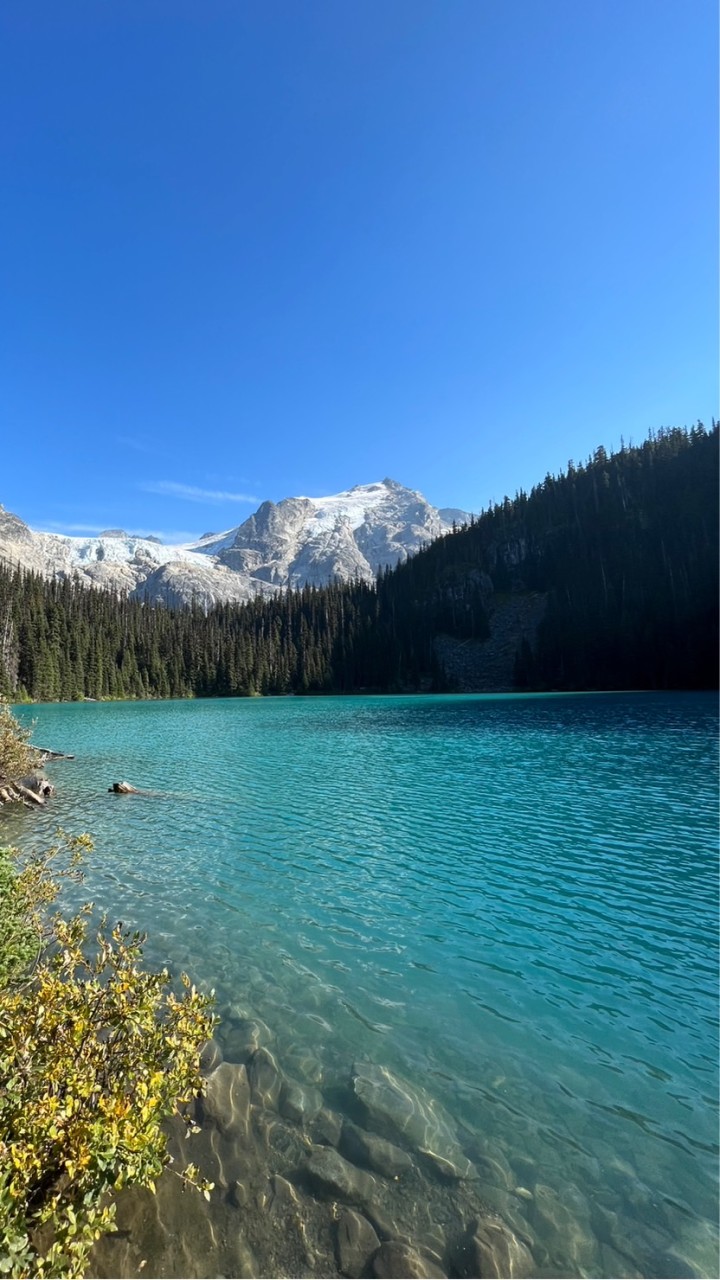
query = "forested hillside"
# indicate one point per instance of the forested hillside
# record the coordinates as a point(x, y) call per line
point(604, 577)
point(625, 551)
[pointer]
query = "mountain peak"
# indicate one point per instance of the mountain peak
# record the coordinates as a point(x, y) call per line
point(345, 535)
point(291, 543)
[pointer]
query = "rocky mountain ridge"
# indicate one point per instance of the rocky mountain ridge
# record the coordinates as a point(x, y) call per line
point(291, 543)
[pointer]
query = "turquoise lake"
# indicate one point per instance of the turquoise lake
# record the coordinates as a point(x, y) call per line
point(511, 901)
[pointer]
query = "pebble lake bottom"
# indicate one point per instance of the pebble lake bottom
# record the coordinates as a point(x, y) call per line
point(482, 929)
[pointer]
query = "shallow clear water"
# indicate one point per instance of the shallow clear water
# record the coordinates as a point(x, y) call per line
point(512, 901)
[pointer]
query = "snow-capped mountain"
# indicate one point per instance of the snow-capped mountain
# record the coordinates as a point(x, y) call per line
point(289, 543)
point(316, 540)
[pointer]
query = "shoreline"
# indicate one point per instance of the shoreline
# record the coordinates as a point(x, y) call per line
point(368, 693)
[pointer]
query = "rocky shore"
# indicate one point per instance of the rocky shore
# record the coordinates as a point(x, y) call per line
point(33, 789)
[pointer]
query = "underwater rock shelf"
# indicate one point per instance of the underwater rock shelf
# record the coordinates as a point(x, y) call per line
point(364, 1176)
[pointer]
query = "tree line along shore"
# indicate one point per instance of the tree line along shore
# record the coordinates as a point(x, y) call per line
point(604, 577)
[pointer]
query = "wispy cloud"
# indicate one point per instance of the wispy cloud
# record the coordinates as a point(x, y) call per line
point(191, 493)
point(140, 446)
point(211, 477)
point(58, 526)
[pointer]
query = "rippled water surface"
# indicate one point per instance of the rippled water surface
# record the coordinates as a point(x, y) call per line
point(512, 901)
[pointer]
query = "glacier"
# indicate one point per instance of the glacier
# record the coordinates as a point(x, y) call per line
point(296, 542)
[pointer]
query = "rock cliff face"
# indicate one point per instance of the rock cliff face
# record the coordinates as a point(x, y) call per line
point(488, 666)
point(316, 540)
point(179, 583)
point(291, 543)
point(13, 531)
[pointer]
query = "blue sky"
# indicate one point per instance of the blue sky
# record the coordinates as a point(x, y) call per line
point(255, 249)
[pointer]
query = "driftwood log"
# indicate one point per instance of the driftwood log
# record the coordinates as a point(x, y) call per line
point(27, 791)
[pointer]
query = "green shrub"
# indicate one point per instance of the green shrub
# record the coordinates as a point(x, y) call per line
point(18, 937)
point(95, 1054)
point(17, 757)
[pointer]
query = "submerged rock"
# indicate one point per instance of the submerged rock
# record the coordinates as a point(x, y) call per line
point(493, 1171)
point(210, 1057)
point(618, 1264)
point(238, 1194)
point(243, 1036)
point(355, 1242)
point(265, 1079)
point(374, 1153)
point(226, 1101)
point(299, 1102)
point(305, 1065)
point(395, 1258)
point(563, 1233)
point(327, 1128)
point(491, 1249)
point(283, 1197)
point(510, 1208)
point(334, 1176)
point(396, 1109)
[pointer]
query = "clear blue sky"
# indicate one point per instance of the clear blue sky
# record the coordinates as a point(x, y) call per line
point(268, 247)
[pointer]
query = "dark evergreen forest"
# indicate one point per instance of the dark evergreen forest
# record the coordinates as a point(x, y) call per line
point(621, 553)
